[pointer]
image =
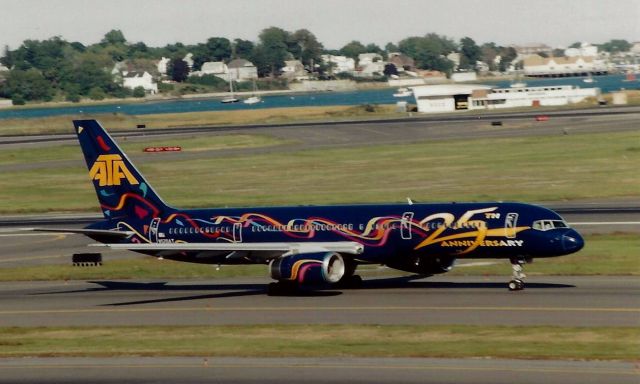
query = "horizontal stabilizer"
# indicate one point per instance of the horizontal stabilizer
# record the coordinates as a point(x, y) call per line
point(349, 247)
point(87, 232)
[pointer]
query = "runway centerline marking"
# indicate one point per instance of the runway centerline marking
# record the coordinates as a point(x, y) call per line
point(312, 309)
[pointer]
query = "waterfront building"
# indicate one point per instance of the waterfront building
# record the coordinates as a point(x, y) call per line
point(460, 97)
point(133, 80)
point(339, 64)
point(242, 70)
point(538, 66)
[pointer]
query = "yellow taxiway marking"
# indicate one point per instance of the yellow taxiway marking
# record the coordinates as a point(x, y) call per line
point(311, 309)
point(212, 363)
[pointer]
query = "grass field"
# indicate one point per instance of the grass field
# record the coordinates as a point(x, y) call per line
point(115, 122)
point(591, 343)
point(552, 168)
point(602, 255)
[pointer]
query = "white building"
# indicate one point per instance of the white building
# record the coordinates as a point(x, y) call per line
point(293, 69)
point(133, 80)
point(340, 63)
point(365, 59)
point(189, 60)
point(163, 65)
point(445, 97)
point(585, 50)
point(242, 70)
point(458, 97)
point(536, 65)
point(531, 97)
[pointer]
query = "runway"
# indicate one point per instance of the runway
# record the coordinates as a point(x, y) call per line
point(317, 370)
point(558, 300)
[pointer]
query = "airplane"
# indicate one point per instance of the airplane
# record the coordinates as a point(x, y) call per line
point(313, 246)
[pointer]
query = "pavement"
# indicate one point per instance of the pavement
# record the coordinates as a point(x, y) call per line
point(475, 300)
point(207, 369)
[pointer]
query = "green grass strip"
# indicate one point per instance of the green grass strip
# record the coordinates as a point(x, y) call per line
point(601, 343)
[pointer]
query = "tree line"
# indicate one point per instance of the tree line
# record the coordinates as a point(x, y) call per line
point(43, 70)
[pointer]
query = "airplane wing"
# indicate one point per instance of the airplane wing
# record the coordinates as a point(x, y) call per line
point(88, 232)
point(288, 248)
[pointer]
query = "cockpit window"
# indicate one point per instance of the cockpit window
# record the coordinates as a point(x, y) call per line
point(546, 225)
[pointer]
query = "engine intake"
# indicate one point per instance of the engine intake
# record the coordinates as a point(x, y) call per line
point(309, 268)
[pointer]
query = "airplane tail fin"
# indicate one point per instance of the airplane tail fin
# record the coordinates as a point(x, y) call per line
point(122, 190)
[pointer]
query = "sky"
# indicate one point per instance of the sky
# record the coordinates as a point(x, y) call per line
point(334, 22)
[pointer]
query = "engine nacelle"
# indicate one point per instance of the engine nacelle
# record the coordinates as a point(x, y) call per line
point(309, 268)
point(427, 265)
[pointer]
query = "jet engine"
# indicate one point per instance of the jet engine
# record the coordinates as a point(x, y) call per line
point(308, 268)
point(427, 265)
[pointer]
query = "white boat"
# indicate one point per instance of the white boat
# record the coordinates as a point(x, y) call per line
point(231, 98)
point(403, 92)
point(588, 79)
point(518, 84)
point(253, 99)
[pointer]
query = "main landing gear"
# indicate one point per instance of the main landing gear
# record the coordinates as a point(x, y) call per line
point(517, 281)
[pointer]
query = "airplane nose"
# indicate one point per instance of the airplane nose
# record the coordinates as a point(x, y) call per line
point(572, 241)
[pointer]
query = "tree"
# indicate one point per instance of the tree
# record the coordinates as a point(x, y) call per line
point(353, 49)
point(428, 51)
point(139, 91)
point(507, 55)
point(616, 45)
point(274, 48)
point(215, 49)
point(469, 53)
point(310, 48)
point(113, 37)
point(557, 52)
point(390, 69)
point(488, 54)
point(178, 69)
point(27, 85)
point(577, 44)
point(391, 47)
point(242, 48)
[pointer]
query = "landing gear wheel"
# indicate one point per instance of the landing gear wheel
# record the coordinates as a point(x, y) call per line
point(517, 279)
point(516, 285)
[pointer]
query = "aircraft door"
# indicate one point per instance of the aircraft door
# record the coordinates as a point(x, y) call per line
point(237, 232)
point(510, 222)
point(153, 229)
point(405, 225)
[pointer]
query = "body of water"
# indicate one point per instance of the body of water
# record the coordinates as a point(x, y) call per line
point(607, 83)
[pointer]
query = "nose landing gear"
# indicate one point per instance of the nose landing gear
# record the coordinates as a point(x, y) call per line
point(517, 281)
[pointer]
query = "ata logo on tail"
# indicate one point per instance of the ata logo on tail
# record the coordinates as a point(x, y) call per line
point(110, 170)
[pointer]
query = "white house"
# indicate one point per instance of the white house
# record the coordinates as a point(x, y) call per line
point(585, 50)
point(536, 65)
point(189, 60)
point(340, 63)
point(365, 59)
point(242, 70)
point(133, 80)
point(293, 69)
point(162, 65)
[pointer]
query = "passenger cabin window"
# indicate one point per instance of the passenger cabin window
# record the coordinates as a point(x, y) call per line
point(546, 225)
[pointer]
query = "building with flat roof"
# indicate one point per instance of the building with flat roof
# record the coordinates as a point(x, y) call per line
point(461, 97)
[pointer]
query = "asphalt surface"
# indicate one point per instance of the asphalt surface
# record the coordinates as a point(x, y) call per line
point(557, 300)
point(320, 370)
